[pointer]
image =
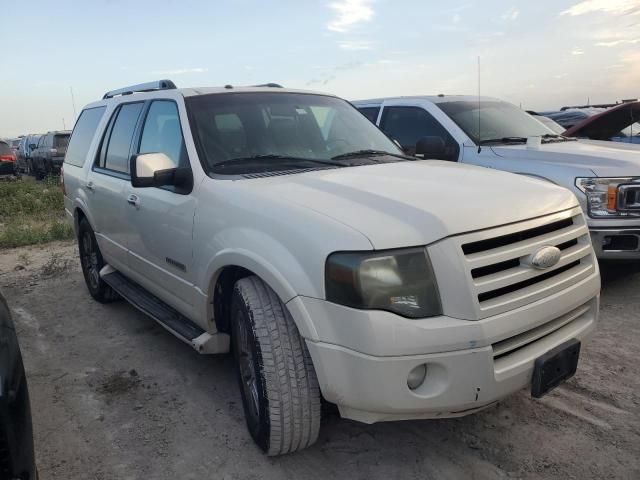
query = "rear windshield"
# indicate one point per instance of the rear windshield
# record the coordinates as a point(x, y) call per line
point(5, 149)
point(61, 141)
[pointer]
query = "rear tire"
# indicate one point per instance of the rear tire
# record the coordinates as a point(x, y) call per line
point(278, 383)
point(92, 262)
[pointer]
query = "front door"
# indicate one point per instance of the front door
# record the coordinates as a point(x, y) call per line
point(107, 185)
point(160, 245)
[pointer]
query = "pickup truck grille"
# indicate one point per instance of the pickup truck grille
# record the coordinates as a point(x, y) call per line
point(500, 272)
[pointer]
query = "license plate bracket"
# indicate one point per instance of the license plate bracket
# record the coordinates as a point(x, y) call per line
point(554, 367)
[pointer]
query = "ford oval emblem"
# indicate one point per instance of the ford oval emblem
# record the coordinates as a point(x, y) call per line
point(546, 257)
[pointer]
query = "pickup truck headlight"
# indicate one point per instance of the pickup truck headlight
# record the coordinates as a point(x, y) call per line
point(602, 196)
point(400, 281)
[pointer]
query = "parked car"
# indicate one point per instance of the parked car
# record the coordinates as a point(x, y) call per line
point(24, 157)
point(614, 122)
point(605, 179)
point(7, 160)
point(285, 227)
point(16, 434)
point(47, 157)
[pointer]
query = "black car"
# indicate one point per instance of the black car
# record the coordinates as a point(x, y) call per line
point(16, 434)
point(47, 157)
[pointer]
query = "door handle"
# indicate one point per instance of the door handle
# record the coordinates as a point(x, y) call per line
point(134, 200)
point(90, 186)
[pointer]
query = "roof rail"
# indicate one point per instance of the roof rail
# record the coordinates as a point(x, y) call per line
point(142, 87)
point(601, 105)
point(270, 84)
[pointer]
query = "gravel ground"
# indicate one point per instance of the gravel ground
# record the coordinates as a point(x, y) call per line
point(115, 396)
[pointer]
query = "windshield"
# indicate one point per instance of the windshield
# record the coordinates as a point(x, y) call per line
point(497, 120)
point(240, 133)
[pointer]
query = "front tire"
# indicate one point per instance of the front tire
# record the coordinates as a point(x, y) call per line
point(92, 262)
point(278, 383)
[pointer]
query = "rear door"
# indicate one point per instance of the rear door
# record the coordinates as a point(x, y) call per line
point(160, 244)
point(107, 184)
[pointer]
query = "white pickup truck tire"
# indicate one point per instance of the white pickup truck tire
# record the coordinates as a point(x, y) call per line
point(279, 387)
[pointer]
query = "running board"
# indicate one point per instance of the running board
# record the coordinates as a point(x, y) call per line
point(165, 315)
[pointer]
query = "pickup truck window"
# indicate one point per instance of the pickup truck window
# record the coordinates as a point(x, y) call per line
point(370, 112)
point(280, 131)
point(117, 151)
point(407, 125)
point(497, 119)
point(162, 132)
point(82, 135)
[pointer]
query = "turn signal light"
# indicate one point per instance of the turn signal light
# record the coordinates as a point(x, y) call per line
point(612, 192)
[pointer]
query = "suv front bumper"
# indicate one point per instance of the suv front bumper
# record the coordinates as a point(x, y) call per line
point(365, 359)
point(616, 243)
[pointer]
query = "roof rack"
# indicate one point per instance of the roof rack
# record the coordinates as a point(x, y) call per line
point(601, 105)
point(270, 84)
point(142, 87)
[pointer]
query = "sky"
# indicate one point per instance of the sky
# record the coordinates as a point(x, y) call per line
point(538, 54)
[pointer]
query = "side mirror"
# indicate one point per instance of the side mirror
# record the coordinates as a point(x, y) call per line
point(431, 147)
point(158, 170)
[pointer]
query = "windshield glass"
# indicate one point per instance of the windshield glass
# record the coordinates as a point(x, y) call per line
point(239, 133)
point(497, 120)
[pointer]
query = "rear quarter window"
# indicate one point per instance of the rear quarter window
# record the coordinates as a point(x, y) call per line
point(5, 149)
point(82, 135)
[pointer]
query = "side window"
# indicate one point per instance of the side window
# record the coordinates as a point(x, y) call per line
point(407, 125)
point(82, 135)
point(116, 155)
point(370, 112)
point(162, 133)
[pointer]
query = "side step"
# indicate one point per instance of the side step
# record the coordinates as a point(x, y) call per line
point(164, 314)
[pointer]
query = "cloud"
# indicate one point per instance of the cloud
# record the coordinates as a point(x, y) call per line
point(511, 14)
point(577, 51)
point(355, 45)
point(614, 43)
point(180, 71)
point(349, 13)
point(616, 7)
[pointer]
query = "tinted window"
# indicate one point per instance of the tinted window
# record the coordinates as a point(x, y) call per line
point(238, 133)
point(407, 125)
point(82, 135)
point(119, 145)
point(5, 149)
point(61, 141)
point(370, 112)
point(162, 132)
point(497, 120)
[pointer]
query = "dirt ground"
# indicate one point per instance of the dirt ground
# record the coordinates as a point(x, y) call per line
point(115, 396)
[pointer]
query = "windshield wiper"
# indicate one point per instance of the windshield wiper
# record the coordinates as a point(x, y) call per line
point(370, 153)
point(503, 140)
point(286, 158)
point(556, 137)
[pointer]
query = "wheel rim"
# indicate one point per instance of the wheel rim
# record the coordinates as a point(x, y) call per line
point(246, 365)
point(89, 258)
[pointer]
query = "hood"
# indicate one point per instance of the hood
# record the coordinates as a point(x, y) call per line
point(604, 160)
point(416, 203)
point(607, 124)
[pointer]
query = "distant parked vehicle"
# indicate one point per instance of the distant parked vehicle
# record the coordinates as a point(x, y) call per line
point(49, 154)
point(25, 150)
point(7, 160)
point(16, 433)
point(615, 122)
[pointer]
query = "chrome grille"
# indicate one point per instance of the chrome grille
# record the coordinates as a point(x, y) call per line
point(497, 264)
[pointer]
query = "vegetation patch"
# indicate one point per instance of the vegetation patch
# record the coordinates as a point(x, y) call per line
point(32, 212)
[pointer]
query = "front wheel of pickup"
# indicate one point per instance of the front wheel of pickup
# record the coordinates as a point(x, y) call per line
point(278, 383)
point(92, 262)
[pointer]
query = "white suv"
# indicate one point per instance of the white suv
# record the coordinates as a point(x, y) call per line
point(284, 226)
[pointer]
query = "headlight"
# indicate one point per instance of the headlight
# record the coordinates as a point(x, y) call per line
point(602, 195)
point(400, 281)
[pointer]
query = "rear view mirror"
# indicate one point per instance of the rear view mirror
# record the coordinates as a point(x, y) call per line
point(431, 147)
point(158, 170)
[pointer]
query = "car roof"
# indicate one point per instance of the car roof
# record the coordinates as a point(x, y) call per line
point(196, 91)
point(430, 98)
